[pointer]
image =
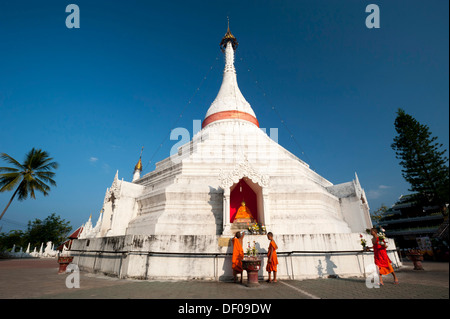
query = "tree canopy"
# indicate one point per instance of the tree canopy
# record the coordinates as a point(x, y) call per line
point(53, 228)
point(34, 174)
point(425, 167)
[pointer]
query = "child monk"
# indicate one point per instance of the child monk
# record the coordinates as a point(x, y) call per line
point(238, 255)
point(272, 259)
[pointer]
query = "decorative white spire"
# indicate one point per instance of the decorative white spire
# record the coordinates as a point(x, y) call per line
point(138, 168)
point(229, 61)
point(229, 103)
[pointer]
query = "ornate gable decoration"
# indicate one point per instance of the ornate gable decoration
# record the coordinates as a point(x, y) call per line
point(243, 169)
point(114, 190)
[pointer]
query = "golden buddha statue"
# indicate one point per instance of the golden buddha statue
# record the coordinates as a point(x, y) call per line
point(244, 212)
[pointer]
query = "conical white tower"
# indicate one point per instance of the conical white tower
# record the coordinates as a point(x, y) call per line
point(229, 104)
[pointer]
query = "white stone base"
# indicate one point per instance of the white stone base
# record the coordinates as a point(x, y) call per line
point(184, 257)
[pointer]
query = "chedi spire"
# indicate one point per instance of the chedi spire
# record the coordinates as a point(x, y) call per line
point(138, 168)
point(229, 104)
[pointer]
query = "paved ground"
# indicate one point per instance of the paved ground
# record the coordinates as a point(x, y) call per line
point(38, 278)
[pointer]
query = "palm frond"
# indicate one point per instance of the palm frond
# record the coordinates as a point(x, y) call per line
point(46, 177)
point(11, 160)
point(8, 169)
point(47, 165)
point(22, 193)
point(31, 176)
point(42, 186)
point(9, 181)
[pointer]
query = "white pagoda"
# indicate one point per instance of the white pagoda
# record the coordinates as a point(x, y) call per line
point(176, 222)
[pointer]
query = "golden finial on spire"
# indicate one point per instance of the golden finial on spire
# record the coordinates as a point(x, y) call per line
point(229, 37)
point(138, 166)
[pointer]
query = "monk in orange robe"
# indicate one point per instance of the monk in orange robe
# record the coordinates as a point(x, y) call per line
point(272, 260)
point(382, 260)
point(238, 255)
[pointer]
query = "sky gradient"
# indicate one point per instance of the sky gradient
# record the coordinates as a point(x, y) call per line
point(93, 96)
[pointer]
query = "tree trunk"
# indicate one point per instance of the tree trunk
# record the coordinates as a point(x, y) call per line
point(4, 211)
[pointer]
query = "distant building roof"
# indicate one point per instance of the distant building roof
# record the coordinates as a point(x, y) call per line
point(76, 233)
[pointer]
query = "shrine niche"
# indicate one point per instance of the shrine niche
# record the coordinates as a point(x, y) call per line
point(245, 198)
point(243, 203)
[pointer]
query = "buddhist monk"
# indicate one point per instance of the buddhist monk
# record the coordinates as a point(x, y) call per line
point(272, 260)
point(238, 255)
point(244, 212)
point(381, 258)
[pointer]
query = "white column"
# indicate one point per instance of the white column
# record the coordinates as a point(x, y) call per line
point(226, 212)
point(266, 219)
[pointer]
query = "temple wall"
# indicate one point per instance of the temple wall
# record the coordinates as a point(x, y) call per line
point(124, 211)
point(119, 207)
point(183, 195)
point(299, 256)
point(193, 204)
point(182, 208)
point(352, 207)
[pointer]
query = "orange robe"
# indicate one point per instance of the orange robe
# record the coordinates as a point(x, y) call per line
point(238, 255)
point(244, 212)
point(381, 259)
point(272, 266)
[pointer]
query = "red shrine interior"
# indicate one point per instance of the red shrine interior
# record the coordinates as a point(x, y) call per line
point(243, 192)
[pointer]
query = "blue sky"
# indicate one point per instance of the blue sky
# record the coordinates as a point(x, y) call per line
point(93, 96)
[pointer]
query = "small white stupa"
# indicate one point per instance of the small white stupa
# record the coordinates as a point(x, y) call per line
point(177, 221)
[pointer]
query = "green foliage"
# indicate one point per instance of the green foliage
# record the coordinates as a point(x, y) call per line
point(53, 228)
point(425, 167)
point(378, 215)
point(14, 237)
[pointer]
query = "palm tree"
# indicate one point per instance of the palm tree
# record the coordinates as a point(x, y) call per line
point(29, 177)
